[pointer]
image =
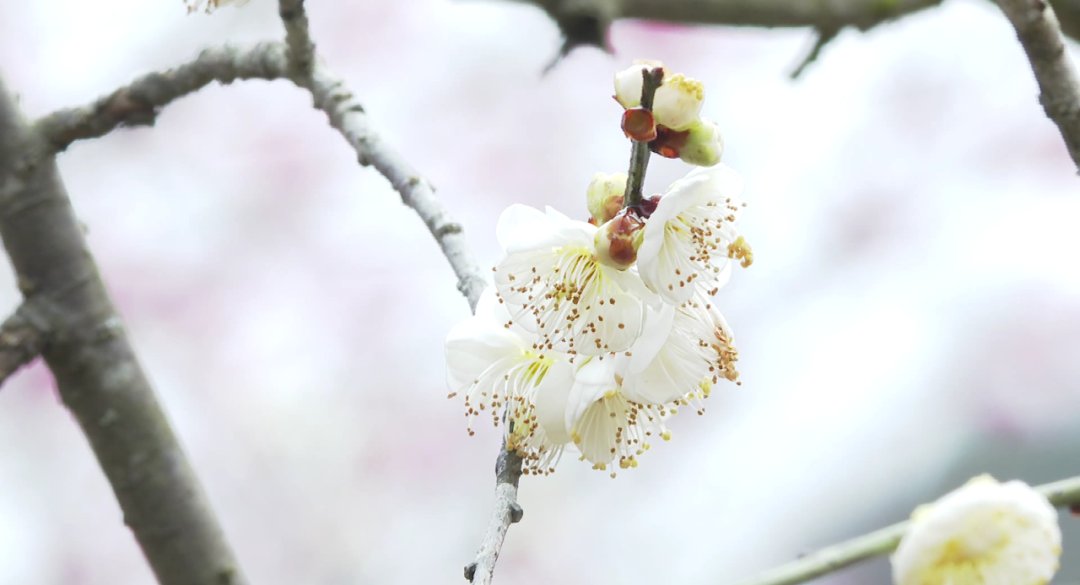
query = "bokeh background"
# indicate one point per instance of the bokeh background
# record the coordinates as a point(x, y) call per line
point(912, 317)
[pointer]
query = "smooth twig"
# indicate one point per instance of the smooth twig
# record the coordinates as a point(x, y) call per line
point(639, 151)
point(881, 542)
point(1059, 83)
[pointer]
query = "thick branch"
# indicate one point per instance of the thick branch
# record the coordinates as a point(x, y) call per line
point(1059, 83)
point(881, 542)
point(97, 374)
point(21, 339)
point(573, 15)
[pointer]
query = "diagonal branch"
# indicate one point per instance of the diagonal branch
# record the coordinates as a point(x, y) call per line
point(138, 103)
point(96, 371)
point(1061, 493)
point(22, 336)
point(1059, 83)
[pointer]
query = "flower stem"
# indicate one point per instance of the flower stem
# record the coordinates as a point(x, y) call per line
point(639, 153)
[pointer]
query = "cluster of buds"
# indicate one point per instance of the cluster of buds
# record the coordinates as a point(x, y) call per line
point(672, 126)
point(596, 332)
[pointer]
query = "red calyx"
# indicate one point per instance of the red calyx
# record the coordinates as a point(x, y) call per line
point(638, 124)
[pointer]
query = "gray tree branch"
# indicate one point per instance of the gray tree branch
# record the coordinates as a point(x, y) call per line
point(22, 336)
point(1059, 84)
point(96, 371)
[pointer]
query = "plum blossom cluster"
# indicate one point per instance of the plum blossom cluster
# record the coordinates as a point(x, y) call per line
point(595, 333)
point(984, 533)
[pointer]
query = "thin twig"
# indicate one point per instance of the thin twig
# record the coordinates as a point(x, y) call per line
point(823, 37)
point(21, 338)
point(506, 511)
point(97, 374)
point(1061, 493)
point(639, 152)
point(1059, 83)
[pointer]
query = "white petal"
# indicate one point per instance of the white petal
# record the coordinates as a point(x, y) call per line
point(472, 346)
point(552, 401)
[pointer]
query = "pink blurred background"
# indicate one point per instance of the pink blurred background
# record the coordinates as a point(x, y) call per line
point(912, 317)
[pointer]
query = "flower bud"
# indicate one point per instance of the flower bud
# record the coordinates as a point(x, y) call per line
point(638, 124)
point(618, 240)
point(605, 196)
point(628, 83)
point(703, 145)
point(677, 103)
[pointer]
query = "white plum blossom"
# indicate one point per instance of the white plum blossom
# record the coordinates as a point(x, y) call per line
point(629, 82)
point(984, 533)
point(690, 237)
point(683, 364)
point(678, 100)
point(595, 333)
point(499, 372)
point(556, 287)
point(604, 424)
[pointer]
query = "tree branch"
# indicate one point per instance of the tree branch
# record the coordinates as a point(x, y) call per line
point(880, 542)
point(97, 374)
point(297, 37)
point(21, 338)
point(139, 103)
point(832, 15)
point(507, 511)
point(639, 149)
point(1059, 84)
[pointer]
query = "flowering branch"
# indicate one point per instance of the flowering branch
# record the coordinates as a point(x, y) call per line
point(639, 152)
point(21, 338)
point(297, 36)
point(1059, 83)
point(1061, 493)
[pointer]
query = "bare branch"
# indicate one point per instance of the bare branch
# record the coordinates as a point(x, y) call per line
point(96, 371)
point(881, 542)
point(297, 37)
point(138, 103)
point(21, 338)
point(507, 511)
point(347, 117)
point(826, 16)
point(1059, 84)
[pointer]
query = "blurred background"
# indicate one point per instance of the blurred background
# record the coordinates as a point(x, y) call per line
point(912, 317)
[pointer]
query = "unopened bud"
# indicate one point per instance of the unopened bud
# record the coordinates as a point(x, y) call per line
point(605, 196)
point(629, 81)
point(678, 100)
point(618, 240)
point(638, 124)
point(703, 145)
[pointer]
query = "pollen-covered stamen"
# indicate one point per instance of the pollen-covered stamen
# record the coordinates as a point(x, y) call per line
point(570, 300)
point(740, 249)
point(616, 429)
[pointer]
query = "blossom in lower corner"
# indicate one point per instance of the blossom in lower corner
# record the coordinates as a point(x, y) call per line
point(560, 290)
point(984, 533)
point(687, 244)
